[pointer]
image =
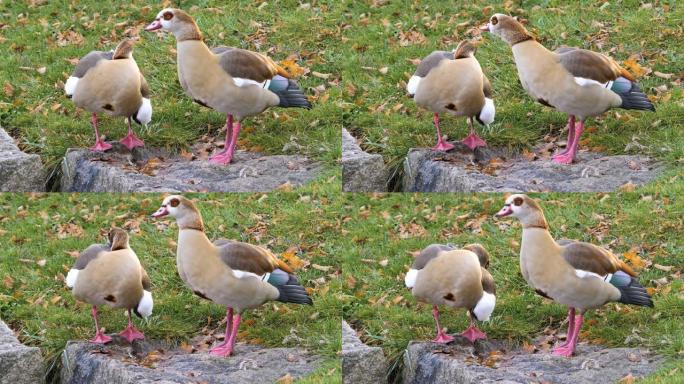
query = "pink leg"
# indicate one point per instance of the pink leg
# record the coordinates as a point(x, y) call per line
point(226, 349)
point(131, 333)
point(100, 337)
point(569, 156)
point(571, 136)
point(570, 348)
point(472, 333)
point(441, 337)
point(571, 328)
point(441, 144)
point(226, 156)
point(473, 141)
point(131, 140)
point(229, 324)
point(100, 145)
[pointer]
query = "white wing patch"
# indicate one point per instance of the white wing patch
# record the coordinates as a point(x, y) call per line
point(488, 112)
point(244, 274)
point(410, 279)
point(247, 82)
point(581, 81)
point(70, 85)
point(144, 115)
point(584, 274)
point(412, 85)
point(485, 306)
point(71, 278)
point(146, 304)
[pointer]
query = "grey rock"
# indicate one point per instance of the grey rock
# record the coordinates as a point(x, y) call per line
point(361, 171)
point(461, 170)
point(461, 363)
point(361, 364)
point(153, 362)
point(19, 171)
point(155, 170)
point(19, 364)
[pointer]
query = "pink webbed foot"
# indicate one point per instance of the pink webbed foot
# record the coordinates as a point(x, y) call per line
point(564, 158)
point(222, 350)
point(443, 146)
point(221, 158)
point(100, 146)
point(563, 350)
point(131, 141)
point(473, 334)
point(100, 338)
point(473, 141)
point(443, 338)
point(131, 334)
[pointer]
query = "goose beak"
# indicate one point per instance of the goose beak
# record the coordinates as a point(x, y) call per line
point(154, 26)
point(485, 28)
point(162, 211)
point(505, 211)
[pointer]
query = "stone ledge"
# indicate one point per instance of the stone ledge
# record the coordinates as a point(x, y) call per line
point(19, 364)
point(154, 170)
point(361, 364)
point(462, 170)
point(19, 171)
point(361, 171)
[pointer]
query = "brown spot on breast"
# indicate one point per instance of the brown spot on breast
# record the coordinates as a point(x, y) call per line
point(110, 298)
point(108, 107)
point(449, 296)
point(202, 295)
point(450, 106)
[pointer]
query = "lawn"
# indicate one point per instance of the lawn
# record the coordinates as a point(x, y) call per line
point(644, 227)
point(40, 235)
point(390, 37)
point(42, 41)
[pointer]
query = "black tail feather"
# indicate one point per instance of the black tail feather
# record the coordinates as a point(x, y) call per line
point(292, 97)
point(636, 294)
point(635, 99)
point(293, 293)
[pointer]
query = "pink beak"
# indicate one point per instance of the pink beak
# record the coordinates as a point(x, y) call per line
point(154, 26)
point(505, 211)
point(162, 211)
point(485, 28)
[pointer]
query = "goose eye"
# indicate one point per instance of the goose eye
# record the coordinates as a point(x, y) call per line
point(518, 201)
point(174, 202)
point(168, 15)
point(494, 20)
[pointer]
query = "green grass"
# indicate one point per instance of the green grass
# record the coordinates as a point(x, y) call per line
point(375, 34)
point(30, 38)
point(27, 290)
point(377, 303)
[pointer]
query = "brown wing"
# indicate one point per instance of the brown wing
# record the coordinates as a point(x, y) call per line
point(89, 61)
point(481, 252)
point(90, 254)
point(429, 253)
point(146, 283)
point(590, 65)
point(432, 61)
point(144, 87)
point(247, 64)
point(249, 258)
point(589, 257)
point(488, 284)
point(486, 87)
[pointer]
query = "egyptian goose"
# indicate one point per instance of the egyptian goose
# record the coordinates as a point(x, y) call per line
point(576, 81)
point(238, 275)
point(453, 82)
point(111, 82)
point(579, 275)
point(458, 278)
point(111, 274)
point(233, 81)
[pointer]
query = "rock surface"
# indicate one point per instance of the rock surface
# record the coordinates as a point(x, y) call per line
point(361, 171)
point(485, 363)
point(144, 362)
point(19, 172)
point(461, 170)
point(153, 170)
point(19, 364)
point(361, 364)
